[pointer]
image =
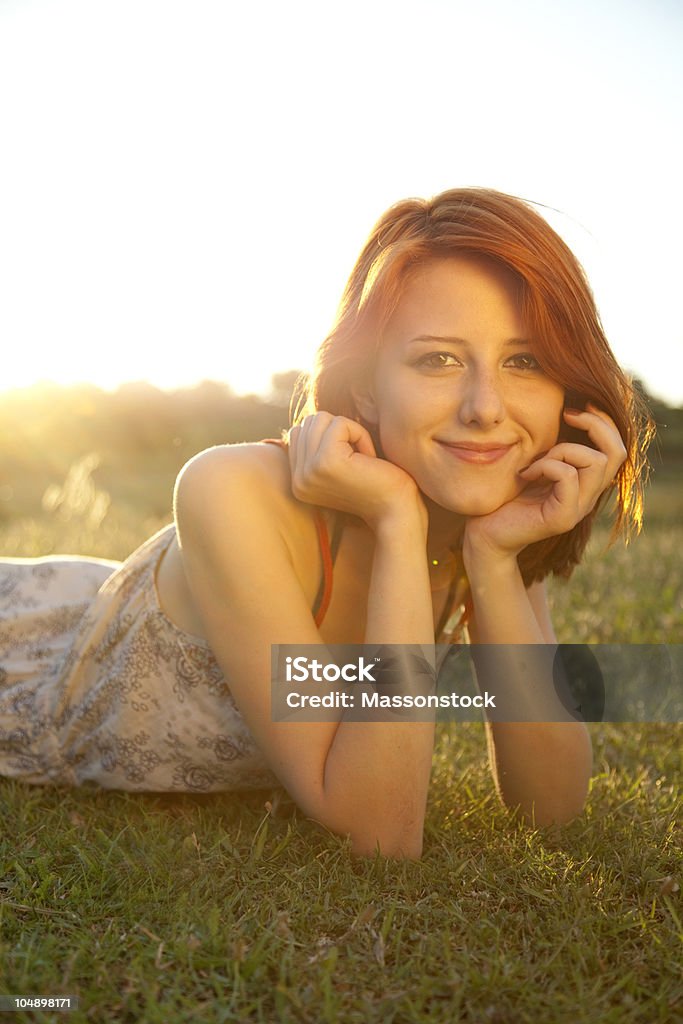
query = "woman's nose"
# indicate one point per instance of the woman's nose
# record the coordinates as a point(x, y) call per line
point(482, 402)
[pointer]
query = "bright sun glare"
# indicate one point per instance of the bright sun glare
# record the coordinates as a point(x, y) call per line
point(182, 203)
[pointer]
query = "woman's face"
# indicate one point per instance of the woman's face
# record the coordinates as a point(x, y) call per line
point(458, 397)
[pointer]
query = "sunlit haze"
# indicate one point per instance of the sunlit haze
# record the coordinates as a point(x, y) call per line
point(184, 186)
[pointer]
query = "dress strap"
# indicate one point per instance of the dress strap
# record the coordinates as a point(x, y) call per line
point(455, 616)
point(447, 608)
point(328, 552)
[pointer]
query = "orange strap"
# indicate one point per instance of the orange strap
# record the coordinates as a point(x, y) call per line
point(322, 600)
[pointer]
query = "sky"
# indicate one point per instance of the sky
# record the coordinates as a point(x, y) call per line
point(185, 184)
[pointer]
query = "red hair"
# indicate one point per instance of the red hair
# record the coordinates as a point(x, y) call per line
point(556, 303)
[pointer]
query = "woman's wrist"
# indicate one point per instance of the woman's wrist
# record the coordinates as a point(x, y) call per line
point(485, 561)
point(406, 517)
point(502, 610)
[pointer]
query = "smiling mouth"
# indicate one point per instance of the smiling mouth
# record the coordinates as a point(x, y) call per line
point(471, 451)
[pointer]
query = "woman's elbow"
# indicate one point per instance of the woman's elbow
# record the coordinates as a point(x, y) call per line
point(392, 827)
point(560, 809)
point(391, 838)
point(403, 847)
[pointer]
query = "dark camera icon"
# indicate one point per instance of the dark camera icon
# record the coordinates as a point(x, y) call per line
point(579, 682)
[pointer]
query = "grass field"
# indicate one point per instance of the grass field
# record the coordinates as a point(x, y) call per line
point(225, 908)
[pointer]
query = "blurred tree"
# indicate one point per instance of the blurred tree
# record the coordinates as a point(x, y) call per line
point(667, 449)
point(143, 436)
point(284, 385)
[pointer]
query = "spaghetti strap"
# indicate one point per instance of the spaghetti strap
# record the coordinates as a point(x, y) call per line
point(322, 598)
point(328, 552)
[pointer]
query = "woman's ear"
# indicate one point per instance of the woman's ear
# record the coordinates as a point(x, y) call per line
point(366, 405)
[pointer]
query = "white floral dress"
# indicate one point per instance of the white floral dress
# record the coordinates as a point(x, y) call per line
point(98, 685)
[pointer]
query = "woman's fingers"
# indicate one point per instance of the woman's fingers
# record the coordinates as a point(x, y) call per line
point(305, 442)
point(592, 464)
point(562, 486)
point(343, 431)
point(321, 448)
point(560, 508)
point(595, 468)
point(578, 455)
point(312, 433)
point(602, 431)
point(577, 479)
point(321, 434)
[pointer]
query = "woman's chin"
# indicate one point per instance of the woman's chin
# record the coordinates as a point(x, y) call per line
point(472, 505)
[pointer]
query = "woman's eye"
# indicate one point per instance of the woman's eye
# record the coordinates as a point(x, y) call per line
point(438, 360)
point(524, 361)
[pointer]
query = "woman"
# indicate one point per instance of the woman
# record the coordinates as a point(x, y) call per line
point(465, 421)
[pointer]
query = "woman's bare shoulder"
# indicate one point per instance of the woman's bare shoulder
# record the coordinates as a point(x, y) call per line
point(254, 472)
point(247, 486)
point(254, 460)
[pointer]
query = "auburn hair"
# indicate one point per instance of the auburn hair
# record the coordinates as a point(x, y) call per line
point(557, 306)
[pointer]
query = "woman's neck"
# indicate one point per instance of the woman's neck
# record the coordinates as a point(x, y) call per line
point(445, 535)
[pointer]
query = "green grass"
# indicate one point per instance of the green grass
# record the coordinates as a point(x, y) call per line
point(226, 908)
point(624, 594)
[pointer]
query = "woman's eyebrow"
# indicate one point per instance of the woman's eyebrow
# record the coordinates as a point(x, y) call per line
point(449, 340)
point(438, 337)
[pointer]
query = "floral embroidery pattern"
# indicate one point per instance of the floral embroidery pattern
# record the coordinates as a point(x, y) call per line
point(98, 685)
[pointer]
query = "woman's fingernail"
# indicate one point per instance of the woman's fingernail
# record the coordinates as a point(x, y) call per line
point(573, 412)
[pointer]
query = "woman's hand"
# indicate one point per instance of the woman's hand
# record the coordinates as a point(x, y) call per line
point(562, 487)
point(333, 463)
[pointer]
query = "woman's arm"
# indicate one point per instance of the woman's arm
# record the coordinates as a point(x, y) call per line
point(365, 780)
point(543, 766)
point(376, 774)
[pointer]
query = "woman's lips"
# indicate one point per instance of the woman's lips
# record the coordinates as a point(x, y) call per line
point(482, 454)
